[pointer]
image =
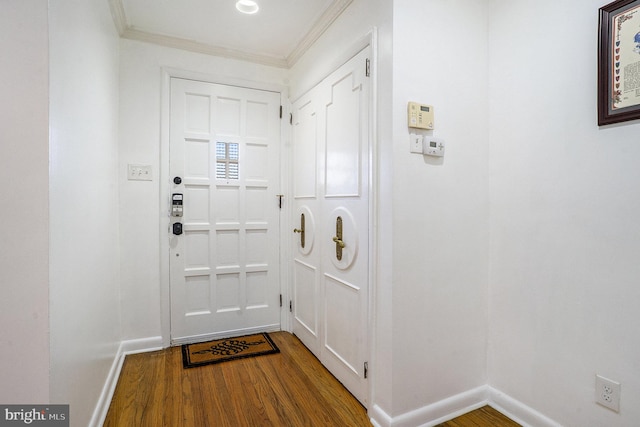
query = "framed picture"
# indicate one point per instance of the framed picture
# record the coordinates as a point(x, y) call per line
point(619, 62)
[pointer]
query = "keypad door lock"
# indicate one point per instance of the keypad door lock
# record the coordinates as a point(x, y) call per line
point(177, 205)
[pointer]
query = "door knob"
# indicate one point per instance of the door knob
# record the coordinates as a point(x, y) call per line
point(339, 242)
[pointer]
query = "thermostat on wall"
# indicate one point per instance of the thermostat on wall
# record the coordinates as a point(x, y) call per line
point(433, 146)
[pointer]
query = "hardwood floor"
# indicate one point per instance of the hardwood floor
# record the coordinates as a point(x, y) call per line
point(291, 388)
point(483, 417)
point(287, 389)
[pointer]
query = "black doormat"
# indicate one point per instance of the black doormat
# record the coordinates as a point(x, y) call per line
point(217, 351)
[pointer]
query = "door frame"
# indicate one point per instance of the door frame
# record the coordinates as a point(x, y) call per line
point(165, 205)
point(370, 39)
point(286, 264)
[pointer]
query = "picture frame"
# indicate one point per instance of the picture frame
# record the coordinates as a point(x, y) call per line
point(619, 62)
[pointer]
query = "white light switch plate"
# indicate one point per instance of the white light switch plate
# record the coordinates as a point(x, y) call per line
point(415, 142)
point(139, 173)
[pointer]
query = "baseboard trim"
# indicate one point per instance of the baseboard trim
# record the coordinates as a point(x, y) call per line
point(436, 413)
point(379, 418)
point(460, 404)
point(142, 345)
point(219, 335)
point(518, 411)
point(125, 348)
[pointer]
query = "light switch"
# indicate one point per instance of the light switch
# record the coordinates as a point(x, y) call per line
point(415, 142)
point(139, 173)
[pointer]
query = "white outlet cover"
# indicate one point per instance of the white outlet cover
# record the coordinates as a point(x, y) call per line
point(608, 393)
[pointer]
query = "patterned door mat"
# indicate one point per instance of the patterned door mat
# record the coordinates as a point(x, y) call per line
point(216, 351)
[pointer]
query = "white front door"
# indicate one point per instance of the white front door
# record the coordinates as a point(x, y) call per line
point(331, 198)
point(224, 161)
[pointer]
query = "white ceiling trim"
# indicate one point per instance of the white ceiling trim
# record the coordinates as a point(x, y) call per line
point(194, 46)
point(331, 14)
point(119, 16)
point(320, 26)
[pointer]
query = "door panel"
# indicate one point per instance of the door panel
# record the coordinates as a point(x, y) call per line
point(306, 149)
point(224, 145)
point(331, 181)
point(307, 170)
point(343, 142)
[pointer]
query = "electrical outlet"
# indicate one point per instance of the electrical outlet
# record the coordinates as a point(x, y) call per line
point(608, 393)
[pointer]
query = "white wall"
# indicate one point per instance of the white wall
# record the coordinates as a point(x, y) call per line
point(141, 74)
point(440, 207)
point(24, 156)
point(565, 236)
point(84, 280)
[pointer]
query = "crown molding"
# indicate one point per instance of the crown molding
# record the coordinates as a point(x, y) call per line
point(126, 31)
point(197, 47)
point(319, 27)
point(119, 15)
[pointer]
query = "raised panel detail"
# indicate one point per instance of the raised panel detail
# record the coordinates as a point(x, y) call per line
point(343, 139)
point(227, 118)
point(198, 292)
point(305, 296)
point(256, 198)
point(227, 292)
point(226, 205)
point(197, 113)
point(257, 251)
point(196, 162)
point(257, 119)
point(256, 290)
point(304, 152)
point(227, 248)
point(196, 204)
point(342, 320)
point(196, 249)
point(257, 162)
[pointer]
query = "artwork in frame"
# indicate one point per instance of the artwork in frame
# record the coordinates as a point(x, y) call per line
point(619, 62)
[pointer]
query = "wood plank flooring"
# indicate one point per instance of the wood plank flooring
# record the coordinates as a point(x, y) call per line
point(291, 388)
point(483, 417)
point(287, 389)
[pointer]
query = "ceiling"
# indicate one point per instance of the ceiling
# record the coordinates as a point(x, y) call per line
point(277, 35)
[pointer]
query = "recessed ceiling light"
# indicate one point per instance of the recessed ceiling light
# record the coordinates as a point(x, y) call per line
point(247, 6)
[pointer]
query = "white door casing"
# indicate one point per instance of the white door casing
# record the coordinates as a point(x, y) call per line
point(330, 181)
point(224, 146)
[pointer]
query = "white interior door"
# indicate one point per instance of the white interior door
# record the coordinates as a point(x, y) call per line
point(224, 160)
point(331, 197)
